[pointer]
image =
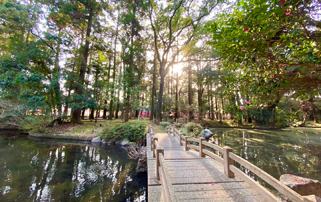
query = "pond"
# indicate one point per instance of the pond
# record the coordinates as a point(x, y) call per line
point(277, 152)
point(51, 170)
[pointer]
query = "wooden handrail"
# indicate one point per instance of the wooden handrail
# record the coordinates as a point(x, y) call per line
point(259, 188)
point(214, 146)
point(162, 171)
point(229, 168)
point(166, 181)
point(283, 189)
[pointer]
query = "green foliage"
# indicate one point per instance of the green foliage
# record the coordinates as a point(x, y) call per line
point(164, 124)
point(282, 118)
point(131, 131)
point(177, 125)
point(35, 123)
point(192, 129)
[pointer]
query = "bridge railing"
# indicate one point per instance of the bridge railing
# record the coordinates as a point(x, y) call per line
point(230, 170)
point(162, 173)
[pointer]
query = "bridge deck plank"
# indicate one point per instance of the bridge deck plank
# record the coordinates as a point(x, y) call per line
point(194, 178)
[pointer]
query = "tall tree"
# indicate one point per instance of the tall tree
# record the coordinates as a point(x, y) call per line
point(173, 21)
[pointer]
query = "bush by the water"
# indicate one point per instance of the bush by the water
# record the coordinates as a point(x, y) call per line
point(164, 124)
point(192, 129)
point(177, 125)
point(133, 132)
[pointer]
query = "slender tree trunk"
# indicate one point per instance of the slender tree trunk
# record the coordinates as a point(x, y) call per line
point(199, 93)
point(153, 89)
point(212, 104)
point(91, 116)
point(114, 76)
point(83, 113)
point(143, 99)
point(105, 110)
point(216, 107)
point(118, 104)
point(97, 114)
point(57, 77)
point(222, 100)
point(127, 108)
point(66, 106)
point(176, 98)
point(190, 94)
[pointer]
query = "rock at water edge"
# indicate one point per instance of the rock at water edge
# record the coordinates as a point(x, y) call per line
point(96, 140)
point(206, 134)
point(301, 185)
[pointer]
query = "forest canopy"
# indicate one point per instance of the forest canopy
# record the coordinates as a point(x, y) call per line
point(251, 60)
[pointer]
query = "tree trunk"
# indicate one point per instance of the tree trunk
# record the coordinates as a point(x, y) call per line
point(57, 77)
point(222, 105)
point(105, 110)
point(111, 114)
point(83, 113)
point(216, 107)
point(127, 108)
point(79, 88)
point(118, 105)
point(91, 116)
point(143, 99)
point(212, 104)
point(153, 89)
point(190, 94)
point(176, 98)
point(160, 94)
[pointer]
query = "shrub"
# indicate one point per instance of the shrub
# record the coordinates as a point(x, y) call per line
point(35, 123)
point(193, 129)
point(177, 125)
point(164, 124)
point(133, 132)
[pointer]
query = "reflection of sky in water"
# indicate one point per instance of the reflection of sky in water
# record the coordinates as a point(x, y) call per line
point(295, 152)
point(34, 170)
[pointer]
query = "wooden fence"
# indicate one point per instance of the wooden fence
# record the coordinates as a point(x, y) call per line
point(228, 161)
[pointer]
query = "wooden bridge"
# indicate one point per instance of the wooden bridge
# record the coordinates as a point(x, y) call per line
point(182, 168)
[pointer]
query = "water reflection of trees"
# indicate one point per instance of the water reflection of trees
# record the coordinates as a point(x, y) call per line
point(276, 152)
point(45, 171)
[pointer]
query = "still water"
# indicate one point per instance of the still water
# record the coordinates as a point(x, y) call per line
point(277, 152)
point(49, 170)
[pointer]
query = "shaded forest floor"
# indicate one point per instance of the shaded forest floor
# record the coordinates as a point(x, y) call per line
point(89, 129)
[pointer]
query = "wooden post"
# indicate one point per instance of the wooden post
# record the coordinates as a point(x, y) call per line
point(227, 162)
point(180, 139)
point(151, 143)
point(154, 145)
point(185, 145)
point(201, 146)
point(158, 151)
